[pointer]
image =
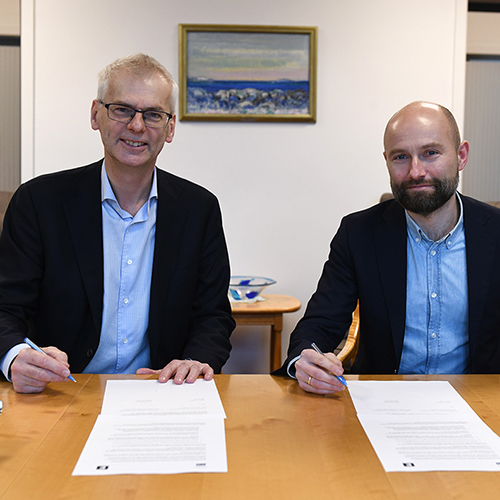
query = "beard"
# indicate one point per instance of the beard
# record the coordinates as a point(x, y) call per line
point(425, 203)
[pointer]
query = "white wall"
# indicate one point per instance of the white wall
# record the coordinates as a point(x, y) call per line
point(283, 187)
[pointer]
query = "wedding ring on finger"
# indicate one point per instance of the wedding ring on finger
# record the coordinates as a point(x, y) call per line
point(309, 381)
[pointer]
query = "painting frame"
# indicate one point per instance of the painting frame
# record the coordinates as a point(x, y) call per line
point(290, 64)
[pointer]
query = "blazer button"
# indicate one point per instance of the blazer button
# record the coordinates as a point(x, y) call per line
point(90, 353)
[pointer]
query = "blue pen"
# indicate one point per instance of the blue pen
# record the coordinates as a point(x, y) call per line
point(34, 346)
point(319, 351)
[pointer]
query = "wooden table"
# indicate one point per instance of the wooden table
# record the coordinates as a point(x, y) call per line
point(268, 312)
point(282, 443)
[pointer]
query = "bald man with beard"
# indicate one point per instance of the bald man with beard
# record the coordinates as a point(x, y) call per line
point(423, 267)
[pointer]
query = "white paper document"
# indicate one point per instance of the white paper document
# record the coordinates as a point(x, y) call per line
point(150, 398)
point(150, 428)
point(423, 426)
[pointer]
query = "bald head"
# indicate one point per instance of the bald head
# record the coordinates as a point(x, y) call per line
point(427, 113)
point(424, 156)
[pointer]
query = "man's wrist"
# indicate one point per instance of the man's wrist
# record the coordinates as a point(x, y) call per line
point(290, 369)
point(9, 371)
point(7, 360)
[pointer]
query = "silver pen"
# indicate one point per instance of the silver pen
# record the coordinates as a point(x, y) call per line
point(340, 378)
point(34, 346)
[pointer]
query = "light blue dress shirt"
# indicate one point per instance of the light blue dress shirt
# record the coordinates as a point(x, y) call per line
point(128, 250)
point(436, 337)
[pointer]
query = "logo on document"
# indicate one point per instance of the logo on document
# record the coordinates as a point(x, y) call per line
point(102, 467)
point(408, 464)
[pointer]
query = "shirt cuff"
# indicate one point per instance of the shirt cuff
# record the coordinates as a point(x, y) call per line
point(290, 369)
point(7, 359)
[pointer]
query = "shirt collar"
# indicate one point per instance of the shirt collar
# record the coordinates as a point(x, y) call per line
point(417, 234)
point(107, 191)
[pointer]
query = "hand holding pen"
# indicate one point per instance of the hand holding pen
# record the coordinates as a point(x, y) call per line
point(340, 378)
point(34, 346)
point(31, 372)
point(319, 373)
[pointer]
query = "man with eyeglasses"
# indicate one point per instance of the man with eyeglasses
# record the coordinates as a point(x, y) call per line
point(118, 266)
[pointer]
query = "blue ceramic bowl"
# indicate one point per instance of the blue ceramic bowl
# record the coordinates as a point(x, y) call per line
point(247, 288)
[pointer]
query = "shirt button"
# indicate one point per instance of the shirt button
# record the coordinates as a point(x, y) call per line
point(433, 295)
point(129, 261)
point(417, 239)
point(433, 253)
point(433, 335)
point(125, 341)
point(125, 301)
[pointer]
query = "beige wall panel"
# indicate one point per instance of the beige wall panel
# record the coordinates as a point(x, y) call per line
point(10, 148)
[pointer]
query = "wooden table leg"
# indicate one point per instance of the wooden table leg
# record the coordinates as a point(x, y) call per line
point(276, 329)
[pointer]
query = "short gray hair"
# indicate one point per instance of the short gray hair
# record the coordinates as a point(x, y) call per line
point(140, 65)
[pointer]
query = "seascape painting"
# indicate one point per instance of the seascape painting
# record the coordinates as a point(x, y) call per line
point(248, 75)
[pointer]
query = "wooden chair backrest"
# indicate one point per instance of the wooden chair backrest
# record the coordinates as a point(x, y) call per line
point(350, 349)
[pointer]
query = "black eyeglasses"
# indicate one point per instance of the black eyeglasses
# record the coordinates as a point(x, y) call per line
point(125, 114)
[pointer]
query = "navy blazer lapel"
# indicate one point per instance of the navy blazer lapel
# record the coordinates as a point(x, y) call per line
point(390, 244)
point(83, 213)
point(481, 246)
point(170, 224)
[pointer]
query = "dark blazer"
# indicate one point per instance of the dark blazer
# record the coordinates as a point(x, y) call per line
point(51, 270)
point(367, 262)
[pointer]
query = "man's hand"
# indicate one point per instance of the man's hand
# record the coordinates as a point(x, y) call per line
point(180, 371)
point(315, 373)
point(31, 371)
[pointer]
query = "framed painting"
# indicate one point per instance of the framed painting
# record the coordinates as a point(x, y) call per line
point(247, 73)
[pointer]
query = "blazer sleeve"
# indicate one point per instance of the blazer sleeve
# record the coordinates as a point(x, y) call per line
point(21, 270)
point(190, 315)
point(211, 322)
